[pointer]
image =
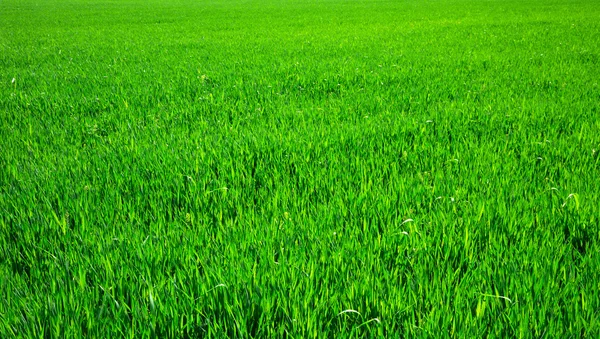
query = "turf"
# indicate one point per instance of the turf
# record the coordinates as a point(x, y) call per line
point(300, 169)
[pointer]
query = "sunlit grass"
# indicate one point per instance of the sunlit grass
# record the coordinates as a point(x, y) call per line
point(301, 169)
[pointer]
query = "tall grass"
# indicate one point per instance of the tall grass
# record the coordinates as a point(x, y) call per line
point(299, 169)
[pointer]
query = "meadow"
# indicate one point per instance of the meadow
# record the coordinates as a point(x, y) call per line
point(301, 169)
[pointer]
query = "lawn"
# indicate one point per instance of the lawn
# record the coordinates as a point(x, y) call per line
point(301, 169)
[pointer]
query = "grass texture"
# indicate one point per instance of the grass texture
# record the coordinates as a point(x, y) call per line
point(301, 169)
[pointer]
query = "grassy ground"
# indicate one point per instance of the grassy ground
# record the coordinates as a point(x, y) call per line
point(299, 168)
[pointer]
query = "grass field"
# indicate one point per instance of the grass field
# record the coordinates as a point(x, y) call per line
point(303, 169)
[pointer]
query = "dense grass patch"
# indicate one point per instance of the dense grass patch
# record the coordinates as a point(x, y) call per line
point(299, 168)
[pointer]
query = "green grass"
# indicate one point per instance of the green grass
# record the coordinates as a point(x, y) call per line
point(256, 168)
